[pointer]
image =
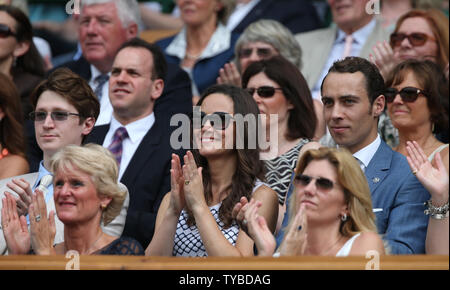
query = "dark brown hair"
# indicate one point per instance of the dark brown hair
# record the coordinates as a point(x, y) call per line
point(302, 120)
point(249, 166)
point(31, 61)
point(11, 128)
point(432, 81)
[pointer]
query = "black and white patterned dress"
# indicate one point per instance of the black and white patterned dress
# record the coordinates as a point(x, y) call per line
point(188, 242)
point(279, 170)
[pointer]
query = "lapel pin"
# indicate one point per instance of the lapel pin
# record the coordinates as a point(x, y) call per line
point(376, 180)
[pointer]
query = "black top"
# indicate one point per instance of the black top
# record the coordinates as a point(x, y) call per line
point(122, 246)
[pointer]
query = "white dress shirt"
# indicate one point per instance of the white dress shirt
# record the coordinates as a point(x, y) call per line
point(136, 132)
point(106, 109)
point(366, 154)
point(239, 13)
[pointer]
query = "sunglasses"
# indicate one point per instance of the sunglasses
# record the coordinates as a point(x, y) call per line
point(5, 31)
point(321, 182)
point(261, 52)
point(218, 120)
point(263, 92)
point(56, 116)
point(416, 39)
point(408, 94)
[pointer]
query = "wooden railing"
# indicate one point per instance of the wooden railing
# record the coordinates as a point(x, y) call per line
point(417, 262)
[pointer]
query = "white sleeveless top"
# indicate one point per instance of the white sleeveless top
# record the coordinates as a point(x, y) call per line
point(188, 242)
point(347, 247)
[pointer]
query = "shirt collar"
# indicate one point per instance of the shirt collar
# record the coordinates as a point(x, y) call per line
point(365, 155)
point(360, 35)
point(137, 129)
point(219, 42)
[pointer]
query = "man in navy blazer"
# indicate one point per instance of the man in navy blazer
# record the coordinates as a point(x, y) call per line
point(145, 155)
point(353, 100)
point(297, 15)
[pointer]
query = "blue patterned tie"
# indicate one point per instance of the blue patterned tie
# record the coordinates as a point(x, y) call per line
point(116, 145)
point(100, 81)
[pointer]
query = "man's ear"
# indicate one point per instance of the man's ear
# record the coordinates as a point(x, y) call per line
point(132, 31)
point(378, 106)
point(88, 125)
point(158, 88)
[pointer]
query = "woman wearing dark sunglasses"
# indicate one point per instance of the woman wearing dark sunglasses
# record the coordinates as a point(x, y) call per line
point(19, 58)
point(417, 104)
point(419, 34)
point(330, 213)
point(279, 88)
point(195, 218)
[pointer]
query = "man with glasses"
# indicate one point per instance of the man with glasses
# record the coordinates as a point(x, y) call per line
point(138, 136)
point(353, 98)
point(65, 111)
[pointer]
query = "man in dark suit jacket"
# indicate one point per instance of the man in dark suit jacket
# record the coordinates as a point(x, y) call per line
point(297, 15)
point(145, 152)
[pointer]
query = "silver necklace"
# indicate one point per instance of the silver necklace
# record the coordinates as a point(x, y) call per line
point(89, 249)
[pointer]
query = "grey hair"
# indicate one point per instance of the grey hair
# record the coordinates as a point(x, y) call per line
point(101, 166)
point(274, 33)
point(127, 10)
point(225, 12)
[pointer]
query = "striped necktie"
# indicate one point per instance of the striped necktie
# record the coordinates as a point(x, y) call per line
point(100, 81)
point(116, 145)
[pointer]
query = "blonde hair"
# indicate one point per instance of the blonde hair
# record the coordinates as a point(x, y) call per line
point(101, 166)
point(356, 190)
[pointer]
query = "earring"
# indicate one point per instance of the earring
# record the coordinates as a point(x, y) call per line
point(103, 207)
point(344, 217)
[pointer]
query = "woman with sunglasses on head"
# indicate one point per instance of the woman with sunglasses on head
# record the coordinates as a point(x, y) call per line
point(194, 218)
point(417, 103)
point(330, 213)
point(19, 57)
point(12, 139)
point(279, 88)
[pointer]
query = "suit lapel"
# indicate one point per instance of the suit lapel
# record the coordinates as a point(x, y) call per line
point(98, 134)
point(379, 166)
point(145, 149)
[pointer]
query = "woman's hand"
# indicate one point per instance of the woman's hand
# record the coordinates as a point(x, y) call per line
point(258, 230)
point(294, 243)
point(193, 184)
point(15, 229)
point(177, 201)
point(42, 229)
point(230, 75)
point(23, 189)
point(238, 213)
point(383, 58)
point(434, 177)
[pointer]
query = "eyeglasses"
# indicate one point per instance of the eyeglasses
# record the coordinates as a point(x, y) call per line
point(261, 52)
point(5, 31)
point(321, 182)
point(408, 94)
point(218, 120)
point(56, 116)
point(416, 39)
point(263, 92)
